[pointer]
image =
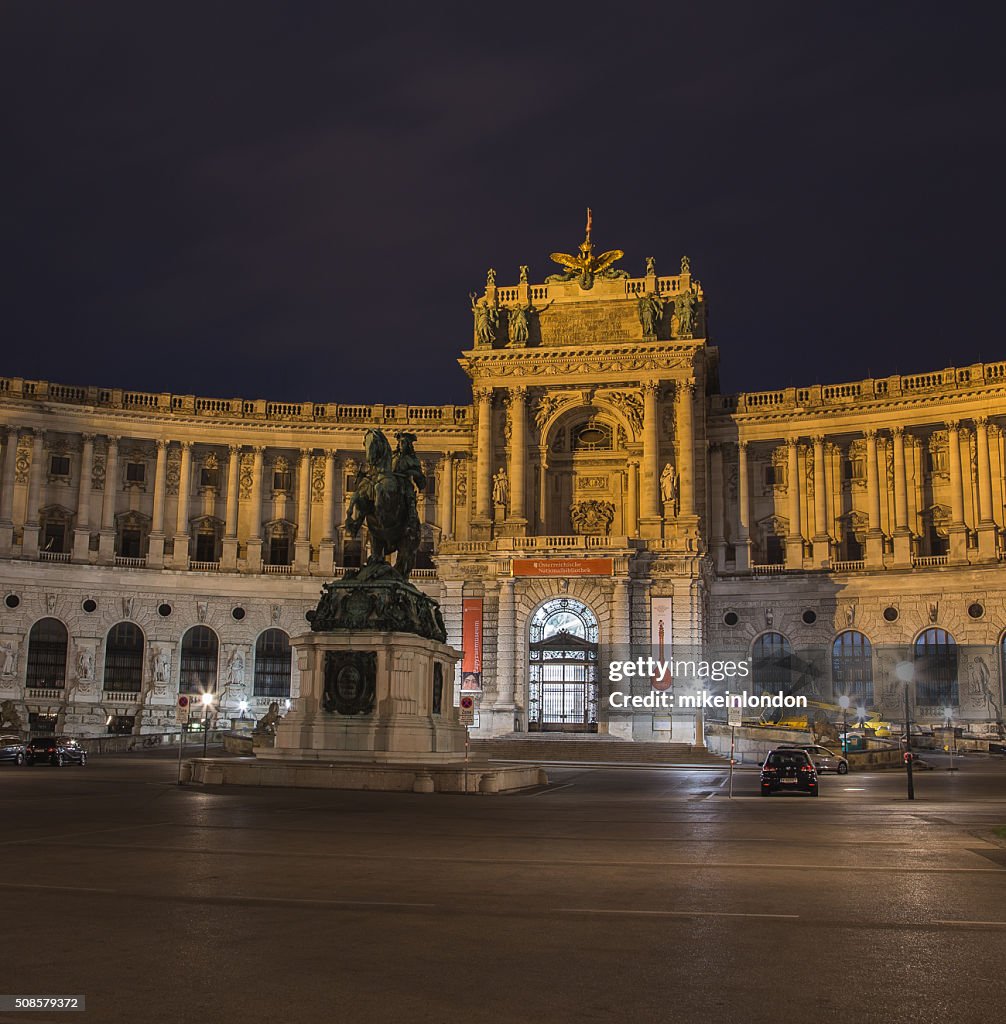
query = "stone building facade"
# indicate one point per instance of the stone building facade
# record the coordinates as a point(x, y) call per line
point(599, 491)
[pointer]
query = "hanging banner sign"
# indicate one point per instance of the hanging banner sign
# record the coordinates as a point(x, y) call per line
point(558, 567)
point(471, 644)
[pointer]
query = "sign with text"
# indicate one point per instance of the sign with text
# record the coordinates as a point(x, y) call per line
point(466, 710)
point(559, 567)
point(182, 709)
point(734, 719)
point(471, 644)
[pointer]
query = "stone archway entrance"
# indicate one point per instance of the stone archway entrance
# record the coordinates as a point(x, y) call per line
point(562, 668)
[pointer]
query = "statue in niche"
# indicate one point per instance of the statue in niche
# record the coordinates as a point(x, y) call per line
point(162, 665)
point(85, 663)
point(684, 311)
point(9, 650)
point(487, 320)
point(668, 484)
point(651, 309)
point(501, 487)
point(236, 670)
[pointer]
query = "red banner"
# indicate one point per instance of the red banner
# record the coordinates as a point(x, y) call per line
point(563, 566)
point(471, 643)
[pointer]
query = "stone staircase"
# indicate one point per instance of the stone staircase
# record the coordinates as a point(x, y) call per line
point(595, 750)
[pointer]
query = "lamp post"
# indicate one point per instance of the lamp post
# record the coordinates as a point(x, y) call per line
point(949, 712)
point(207, 702)
point(905, 671)
point(844, 704)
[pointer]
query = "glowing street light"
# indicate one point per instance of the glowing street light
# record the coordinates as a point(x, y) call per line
point(207, 700)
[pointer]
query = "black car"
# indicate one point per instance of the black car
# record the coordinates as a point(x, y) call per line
point(57, 750)
point(788, 768)
point(12, 748)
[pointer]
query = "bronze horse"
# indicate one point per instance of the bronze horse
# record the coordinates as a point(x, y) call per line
point(386, 501)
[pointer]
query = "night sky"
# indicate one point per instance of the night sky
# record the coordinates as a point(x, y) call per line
point(291, 201)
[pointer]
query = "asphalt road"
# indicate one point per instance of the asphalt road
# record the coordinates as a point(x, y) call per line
point(611, 895)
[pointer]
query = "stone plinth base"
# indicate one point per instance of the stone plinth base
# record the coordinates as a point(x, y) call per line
point(455, 777)
point(371, 696)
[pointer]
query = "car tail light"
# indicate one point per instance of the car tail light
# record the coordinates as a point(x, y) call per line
point(807, 768)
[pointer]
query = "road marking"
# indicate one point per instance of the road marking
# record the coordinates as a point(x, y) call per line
point(77, 835)
point(53, 888)
point(974, 924)
point(671, 913)
point(552, 789)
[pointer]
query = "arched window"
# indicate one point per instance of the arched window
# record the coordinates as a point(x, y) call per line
point(771, 663)
point(852, 667)
point(936, 669)
point(562, 668)
point(47, 644)
point(272, 664)
point(124, 659)
point(199, 661)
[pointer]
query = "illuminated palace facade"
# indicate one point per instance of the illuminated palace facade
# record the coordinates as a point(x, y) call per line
point(599, 490)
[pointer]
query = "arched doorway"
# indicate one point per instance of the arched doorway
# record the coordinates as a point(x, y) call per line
point(562, 668)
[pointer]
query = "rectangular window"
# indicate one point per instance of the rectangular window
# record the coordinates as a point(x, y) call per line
point(136, 472)
point(59, 465)
point(121, 725)
point(129, 544)
point(209, 477)
point(773, 476)
point(279, 550)
point(40, 724)
point(281, 480)
point(54, 537)
point(206, 547)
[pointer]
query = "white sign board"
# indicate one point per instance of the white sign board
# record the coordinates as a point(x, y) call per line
point(466, 710)
point(182, 709)
point(733, 717)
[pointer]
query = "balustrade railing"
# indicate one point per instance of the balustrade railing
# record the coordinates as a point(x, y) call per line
point(928, 561)
point(54, 556)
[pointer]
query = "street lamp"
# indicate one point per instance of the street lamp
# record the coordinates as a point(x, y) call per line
point(844, 702)
point(207, 703)
point(905, 671)
point(949, 713)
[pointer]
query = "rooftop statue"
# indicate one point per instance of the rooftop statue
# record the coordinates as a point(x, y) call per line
point(585, 266)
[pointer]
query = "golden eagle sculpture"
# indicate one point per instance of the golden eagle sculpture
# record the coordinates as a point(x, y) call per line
point(585, 266)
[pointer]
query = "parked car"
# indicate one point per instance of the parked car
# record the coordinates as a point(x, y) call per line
point(825, 760)
point(57, 750)
point(13, 748)
point(788, 768)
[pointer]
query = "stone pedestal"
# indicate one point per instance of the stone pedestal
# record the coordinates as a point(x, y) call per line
point(253, 554)
point(326, 558)
point(902, 549)
point(106, 547)
point(229, 553)
point(81, 546)
point(29, 541)
point(372, 696)
point(155, 551)
point(6, 538)
point(987, 542)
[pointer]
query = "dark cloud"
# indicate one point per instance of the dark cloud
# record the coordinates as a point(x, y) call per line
point(260, 199)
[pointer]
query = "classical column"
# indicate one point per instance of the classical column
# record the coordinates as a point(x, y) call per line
point(651, 461)
point(821, 541)
point(542, 490)
point(716, 539)
point(29, 543)
point(7, 485)
point(155, 548)
point(253, 547)
point(794, 539)
point(181, 555)
point(483, 484)
point(302, 546)
point(686, 448)
point(82, 531)
point(446, 497)
point(742, 558)
point(958, 529)
point(326, 548)
point(902, 535)
point(505, 644)
point(874, 535)
point(986, 523)
point(518, 453)
point(229, 555)
point(632, 498)
point(106, 542)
